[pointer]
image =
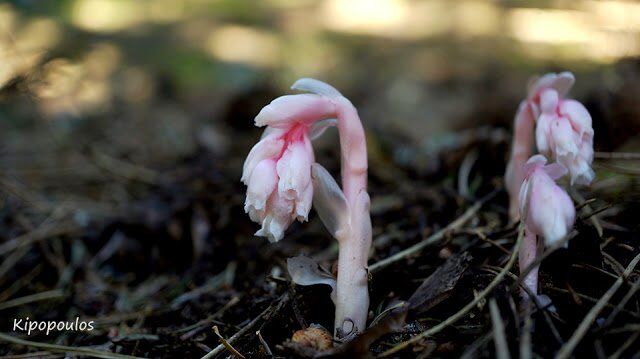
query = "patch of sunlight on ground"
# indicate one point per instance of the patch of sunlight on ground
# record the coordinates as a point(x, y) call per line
point(107, 15)
point(615, 15)
point(23, 43)
point(243, 44)
point(77, 87)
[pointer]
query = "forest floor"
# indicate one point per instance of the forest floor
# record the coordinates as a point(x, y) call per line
point(159, 255)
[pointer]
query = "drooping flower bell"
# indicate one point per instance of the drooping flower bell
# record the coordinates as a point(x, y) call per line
point(550, 211)
point(277, 170)
point(564, 131)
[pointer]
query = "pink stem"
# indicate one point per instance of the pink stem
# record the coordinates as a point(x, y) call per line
point(352, 292)
point(527, 255)
point(521, 150)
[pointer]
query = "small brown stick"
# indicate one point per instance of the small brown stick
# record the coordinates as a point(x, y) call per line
point(64, 349)
point(194, 329)
point(434, 238)
point(226, 344)
point(264, 344)
point(272, 308)
point(462, 312)
point(502, 349)
point(50, 294)
point(584, 326)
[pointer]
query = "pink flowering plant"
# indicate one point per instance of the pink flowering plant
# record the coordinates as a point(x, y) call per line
point(283, 182)
point(562, 131)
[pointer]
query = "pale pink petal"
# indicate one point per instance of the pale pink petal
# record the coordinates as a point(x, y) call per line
point(262, 183)
point(561, 82)
point(278, 218)
point(579, 116)
point(536, 161)
point(288, 110)
point(304, 203)
point(269, 147)
point(555, 170)
point(564, 138)
point(549, 101)
point(544, 140)
point(294, 170)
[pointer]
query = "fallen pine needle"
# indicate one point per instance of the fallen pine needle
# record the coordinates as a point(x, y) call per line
point(272, 308)
point(64, 349)
point(502, 349)
point(462, 312)
point(584, 326)
point(434, 238)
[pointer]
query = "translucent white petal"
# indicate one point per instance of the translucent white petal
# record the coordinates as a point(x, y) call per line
point(315, 86)
point(320, 127)
point(328, 200)
point(278, 218)
point(304, 271)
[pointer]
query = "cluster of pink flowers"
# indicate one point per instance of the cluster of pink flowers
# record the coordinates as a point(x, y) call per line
point(563, 133)
point(563, 129)
point(277, 170)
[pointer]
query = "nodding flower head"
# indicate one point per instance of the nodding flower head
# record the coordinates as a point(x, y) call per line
point(551, 213)
point(277, 170)
point(564, 131)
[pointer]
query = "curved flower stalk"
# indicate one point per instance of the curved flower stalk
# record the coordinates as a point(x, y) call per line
point(563, 132)
point(551, 213)
point(283, 181)
point(521, 150)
